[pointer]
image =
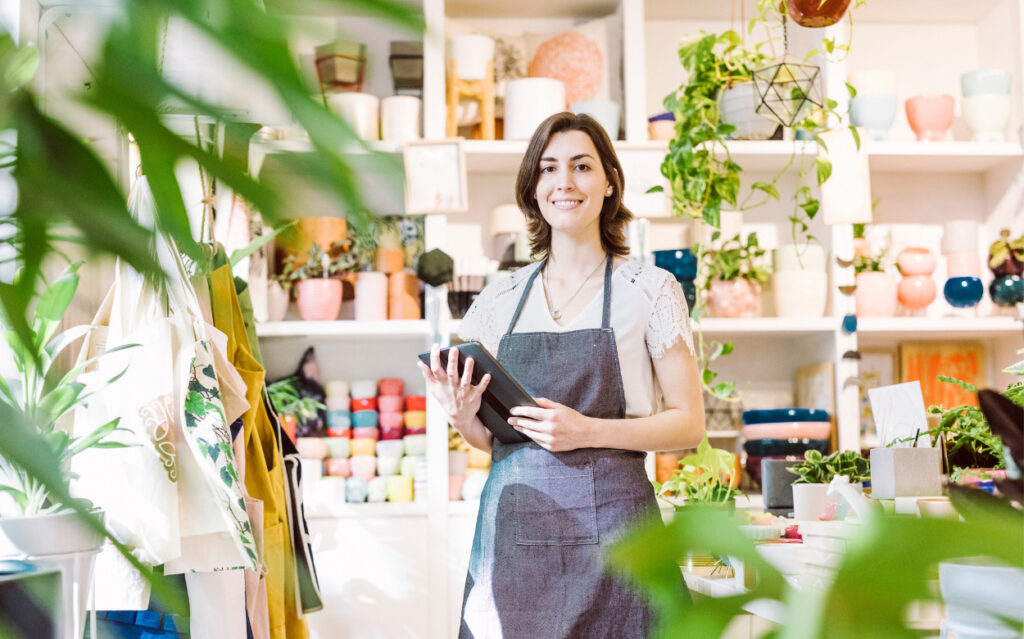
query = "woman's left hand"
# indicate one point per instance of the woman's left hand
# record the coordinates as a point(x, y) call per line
point(553, 426)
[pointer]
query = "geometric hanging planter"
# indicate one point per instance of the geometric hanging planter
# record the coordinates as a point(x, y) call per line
point(785, 89)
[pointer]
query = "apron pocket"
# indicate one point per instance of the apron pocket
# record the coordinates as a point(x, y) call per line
point(556, 509)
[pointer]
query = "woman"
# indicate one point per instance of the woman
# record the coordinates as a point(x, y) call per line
point(600, 342)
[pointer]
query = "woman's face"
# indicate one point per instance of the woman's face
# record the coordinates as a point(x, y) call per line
point(572, 185)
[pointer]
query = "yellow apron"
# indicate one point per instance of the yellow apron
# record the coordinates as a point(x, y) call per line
point(264, 476)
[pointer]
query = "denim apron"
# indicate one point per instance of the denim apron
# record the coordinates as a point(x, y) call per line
point(536, 567)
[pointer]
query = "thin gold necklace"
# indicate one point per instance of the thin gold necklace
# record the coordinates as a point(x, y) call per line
point(557, 312)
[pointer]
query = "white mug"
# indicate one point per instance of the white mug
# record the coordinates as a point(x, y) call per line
point(400, 118)
point(359, 110)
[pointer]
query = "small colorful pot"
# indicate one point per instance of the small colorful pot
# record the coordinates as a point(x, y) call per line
point(319, 299)
point(734, 298)
point(876, 294)
point(930, 116)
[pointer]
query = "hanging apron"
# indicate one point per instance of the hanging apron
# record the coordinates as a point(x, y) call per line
point(536, 568)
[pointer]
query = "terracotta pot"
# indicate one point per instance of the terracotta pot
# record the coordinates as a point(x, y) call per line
point(734, 298)
point(319, 299)
point(876, 294)
point(403, 296)
point(390, 260)
point(817, 13)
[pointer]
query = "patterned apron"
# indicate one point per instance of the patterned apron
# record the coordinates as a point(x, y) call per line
point(536, 568)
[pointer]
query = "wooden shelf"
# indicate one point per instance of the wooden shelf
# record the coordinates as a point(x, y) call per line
point(346, 328)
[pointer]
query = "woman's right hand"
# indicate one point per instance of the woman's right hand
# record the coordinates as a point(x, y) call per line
point(458, 397)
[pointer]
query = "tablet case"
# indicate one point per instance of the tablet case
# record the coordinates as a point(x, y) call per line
point(503, 392)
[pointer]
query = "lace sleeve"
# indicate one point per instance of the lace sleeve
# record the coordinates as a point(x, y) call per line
point(669, 320)
point(479, 323)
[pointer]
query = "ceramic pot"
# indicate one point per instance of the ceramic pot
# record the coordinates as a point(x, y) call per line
point(371, 296)
point(930, 116)
point(736, 107)
point(606, 112)
point(777, 482)
point(987, 117)
point(471, 53)
point(798, 257)
point(986, 82)
point(51, 534)
point(874, 112)
point(528, 101)
point(400, 117)
point(319, 299)
point(876, 294)
point(661, 126)
point(809, 501)
point(963, 292)
point(734, 298)
point(800, 293)
point(277, 302)
point(817, 13)
point(360, 110)
point(1007, 290)
point(915, 261)
point(963, 264)
point(959, 236)
point(916, 292)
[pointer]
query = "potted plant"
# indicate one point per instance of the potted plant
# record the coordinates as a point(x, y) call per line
point(876, 291)
point(1006, 259)
point(318, 294)
point(734, 274)
point(709, 476)
point(291, 406)
point(815, 473)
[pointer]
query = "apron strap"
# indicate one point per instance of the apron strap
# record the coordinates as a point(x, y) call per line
point(606, 313)
point(522, 299)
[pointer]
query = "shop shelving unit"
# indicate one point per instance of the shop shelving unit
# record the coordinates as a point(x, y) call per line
point(397, 570)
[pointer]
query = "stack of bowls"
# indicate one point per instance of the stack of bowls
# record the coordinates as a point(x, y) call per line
point(874, 106)
point(987, 103)
point(782, 432)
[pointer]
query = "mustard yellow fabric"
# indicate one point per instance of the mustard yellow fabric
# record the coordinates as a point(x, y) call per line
point(264, 475)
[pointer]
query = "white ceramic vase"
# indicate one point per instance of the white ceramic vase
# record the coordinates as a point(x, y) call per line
point(800, 293)
point(987, 116)
point(809, 501)
point(528, 101)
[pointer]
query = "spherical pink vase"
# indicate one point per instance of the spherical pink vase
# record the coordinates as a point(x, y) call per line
point(917, 288)
point(930, 116)
point(734, 298)
point(319, 299)
point(876, 294)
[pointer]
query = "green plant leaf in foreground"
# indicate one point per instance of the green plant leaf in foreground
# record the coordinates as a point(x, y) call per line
point(888, 566)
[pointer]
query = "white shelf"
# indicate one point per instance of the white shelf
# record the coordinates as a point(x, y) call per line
point(934, 328)
point(778, 326)
point(888, 11)
point(942, 157)
point(723, 434)
point(342, 510)
point(346, 328)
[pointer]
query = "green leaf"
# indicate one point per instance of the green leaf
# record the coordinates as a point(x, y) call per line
point(60, 400)
point(656, 189)
point(258, 243)
point(94, 438)
point(824, 169)
point(767, 187)
point(856, 136)
point(18, 64)
point(967, 386)
point(851, 90)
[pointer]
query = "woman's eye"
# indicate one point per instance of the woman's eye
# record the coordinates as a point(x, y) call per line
point(582, 167)
point(547, 169)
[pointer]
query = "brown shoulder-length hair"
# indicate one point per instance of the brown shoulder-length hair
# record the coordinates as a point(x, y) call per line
point(614, 216)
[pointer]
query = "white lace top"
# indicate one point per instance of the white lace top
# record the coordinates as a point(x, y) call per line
point(648, 314)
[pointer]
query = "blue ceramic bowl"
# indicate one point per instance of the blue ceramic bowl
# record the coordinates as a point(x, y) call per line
point(339, 419)
point(1007, 290)
point(775, 415)
point(770, 447)
point(364, 419)
point(875, 112)
point(985, 82)
point(681, 263)
point(963, 292)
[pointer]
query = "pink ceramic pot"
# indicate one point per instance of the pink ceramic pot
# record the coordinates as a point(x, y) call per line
point(734, 298)
point(963, 264)
point(916, 292)
point(875, 295)
point(319, 299)
point(915, 261)
point(930, 116)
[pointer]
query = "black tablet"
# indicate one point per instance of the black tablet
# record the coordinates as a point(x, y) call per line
point(501, 395)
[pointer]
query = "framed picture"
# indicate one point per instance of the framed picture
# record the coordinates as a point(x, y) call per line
point(435, 177)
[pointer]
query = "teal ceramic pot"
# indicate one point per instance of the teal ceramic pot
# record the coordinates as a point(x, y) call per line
point(963, 292)
point(1007, 290)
